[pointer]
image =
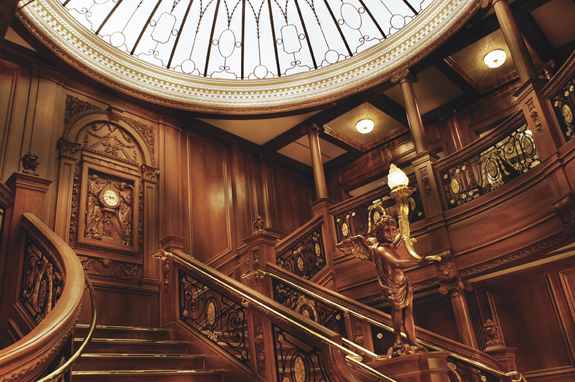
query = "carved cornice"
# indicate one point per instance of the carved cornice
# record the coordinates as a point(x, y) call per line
point(92, 56)
point(150, 174)
point(543, 245)
point(107, 268)
point(68, 149)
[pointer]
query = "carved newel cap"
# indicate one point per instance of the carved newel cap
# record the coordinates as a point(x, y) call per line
point(30, 162)
point(259, 224)
point(491, 330)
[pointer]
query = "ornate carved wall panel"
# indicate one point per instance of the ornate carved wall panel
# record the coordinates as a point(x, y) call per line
point(111, 157)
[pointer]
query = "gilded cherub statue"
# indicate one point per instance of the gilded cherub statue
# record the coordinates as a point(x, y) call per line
point(395, 286)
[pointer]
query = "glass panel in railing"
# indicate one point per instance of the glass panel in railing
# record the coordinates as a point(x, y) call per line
point(564, 107)
point(296, 360)
point(42, 281)
point(309, 307)
point(482, 173)
point(306, 258)
point(215, 316)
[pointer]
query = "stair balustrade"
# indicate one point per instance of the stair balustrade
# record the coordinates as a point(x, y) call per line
point(268, 339)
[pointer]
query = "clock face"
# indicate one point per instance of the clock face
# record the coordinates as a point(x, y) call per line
point(110, 198)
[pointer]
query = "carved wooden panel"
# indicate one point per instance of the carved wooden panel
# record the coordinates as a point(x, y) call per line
point(108, 211)
point(530, 321)
point(9, 74)
point(209, 199)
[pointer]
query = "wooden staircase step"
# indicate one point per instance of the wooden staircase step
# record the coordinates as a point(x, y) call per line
point(115, 361)
point(216, 375)
point(111, 331)
point(126, 345)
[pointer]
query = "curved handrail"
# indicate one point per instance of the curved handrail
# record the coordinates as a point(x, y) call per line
point(334, 297)
point(66, 366)
point(27, 359)
point(268, 307)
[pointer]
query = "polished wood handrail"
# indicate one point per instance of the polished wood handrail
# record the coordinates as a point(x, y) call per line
point(348, 305)
point(27, 359)
point(276, 313)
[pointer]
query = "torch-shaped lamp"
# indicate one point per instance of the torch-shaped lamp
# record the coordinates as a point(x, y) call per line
point(400, 191)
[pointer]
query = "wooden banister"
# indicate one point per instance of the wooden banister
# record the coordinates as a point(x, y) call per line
point(27, 359)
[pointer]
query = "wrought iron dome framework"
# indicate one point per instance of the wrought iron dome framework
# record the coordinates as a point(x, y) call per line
point(244, 39)
point(243, 56)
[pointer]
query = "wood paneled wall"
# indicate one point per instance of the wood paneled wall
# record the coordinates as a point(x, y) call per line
point(208, 192)
point(535, 310)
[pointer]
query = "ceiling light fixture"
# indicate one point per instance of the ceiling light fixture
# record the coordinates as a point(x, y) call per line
point(364, 126)
point(495, 58)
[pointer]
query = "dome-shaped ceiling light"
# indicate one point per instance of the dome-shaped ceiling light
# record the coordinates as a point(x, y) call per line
point(494, 59)
point(364, 126)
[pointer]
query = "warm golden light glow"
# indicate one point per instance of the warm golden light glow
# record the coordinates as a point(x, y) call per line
point(364, 126)
point(495, 58)
point(396, 177)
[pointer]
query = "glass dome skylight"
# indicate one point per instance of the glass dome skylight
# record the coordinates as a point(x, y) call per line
point(243, 39)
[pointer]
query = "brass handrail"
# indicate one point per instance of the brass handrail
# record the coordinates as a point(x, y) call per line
point(66, 366)
point(390, 329)
point(350, 355)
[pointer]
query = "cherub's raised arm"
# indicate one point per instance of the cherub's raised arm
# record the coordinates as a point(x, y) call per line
point(357, 246)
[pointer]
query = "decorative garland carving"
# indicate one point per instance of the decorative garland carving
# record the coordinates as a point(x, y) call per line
point(148, 134)
point(260, 345)
point(108, 268)
point(73, 214)
point(565, 209)
point(535, 116)
point(76, 107)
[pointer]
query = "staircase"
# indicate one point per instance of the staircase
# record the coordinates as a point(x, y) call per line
point(119, 353)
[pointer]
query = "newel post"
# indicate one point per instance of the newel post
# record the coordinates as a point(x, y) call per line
point(261, 248)
point(497, 349)
point(169, 304)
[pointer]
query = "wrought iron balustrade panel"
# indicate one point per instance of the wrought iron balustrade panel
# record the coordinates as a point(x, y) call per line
point(215, 316)
point(564, 106)
point(506, 160)
point(297, 361)
point(355, 221)
point(306, 258)
point(309, 307)
point(42, 282)
point(463, 372)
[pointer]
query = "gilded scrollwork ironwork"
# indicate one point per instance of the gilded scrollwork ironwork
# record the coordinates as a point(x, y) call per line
point(355, 221)
point(306, 258)
point(504, 161)
point(214, 315)
point(296, 360)
point(42, 282)
point(309, 307)
point(564, 105)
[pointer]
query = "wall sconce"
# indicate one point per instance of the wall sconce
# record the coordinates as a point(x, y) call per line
point(364, 126)
point(495, 58)
point(400, 191)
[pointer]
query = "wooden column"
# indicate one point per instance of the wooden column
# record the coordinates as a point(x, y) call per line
point(514, 40)
point(460, 308)
point(317, 164)
point(406, 80)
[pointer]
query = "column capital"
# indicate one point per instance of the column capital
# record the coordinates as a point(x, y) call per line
point(311, 127)
point(403, 75)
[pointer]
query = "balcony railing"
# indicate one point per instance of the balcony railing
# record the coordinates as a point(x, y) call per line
point(496, 159)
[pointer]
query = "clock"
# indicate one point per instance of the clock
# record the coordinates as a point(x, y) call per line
point(110, 197)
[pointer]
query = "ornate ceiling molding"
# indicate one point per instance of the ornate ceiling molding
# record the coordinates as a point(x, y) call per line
point(53, 26)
